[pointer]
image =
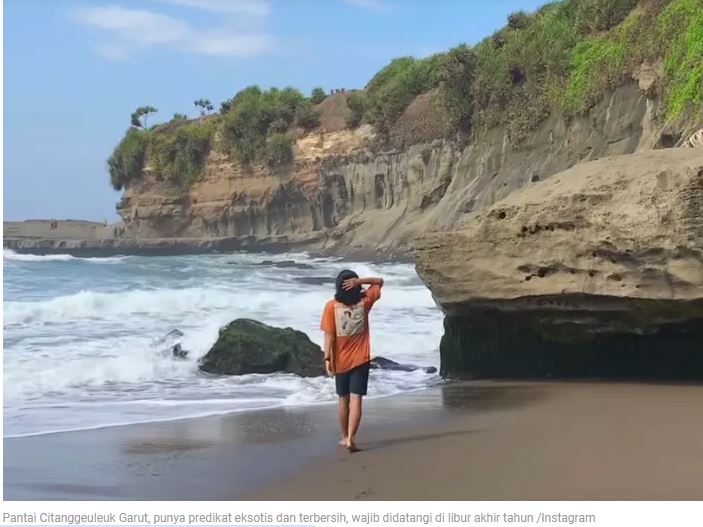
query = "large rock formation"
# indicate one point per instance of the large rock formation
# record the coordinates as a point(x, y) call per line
point(596, 272)
point(344, 193)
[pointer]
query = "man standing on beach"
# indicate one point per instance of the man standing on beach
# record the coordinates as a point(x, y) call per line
point(347, 347)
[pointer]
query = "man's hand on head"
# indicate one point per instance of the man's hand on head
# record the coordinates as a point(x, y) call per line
point(350, 284)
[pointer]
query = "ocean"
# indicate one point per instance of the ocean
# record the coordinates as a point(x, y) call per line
point(84, 337)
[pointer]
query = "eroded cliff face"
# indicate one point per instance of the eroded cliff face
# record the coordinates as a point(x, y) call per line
point(343, 194)
point(596, 272)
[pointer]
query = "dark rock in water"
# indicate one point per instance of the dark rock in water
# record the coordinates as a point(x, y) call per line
point(247, 346)
point(178, 351)
point(169, 346)
point(315, 280)
point(383, 363)
point(172, 335)
point(283, 264)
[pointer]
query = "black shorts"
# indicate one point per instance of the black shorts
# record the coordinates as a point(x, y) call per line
point(354, 381)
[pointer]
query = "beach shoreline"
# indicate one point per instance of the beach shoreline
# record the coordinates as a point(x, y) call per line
point(477, 440)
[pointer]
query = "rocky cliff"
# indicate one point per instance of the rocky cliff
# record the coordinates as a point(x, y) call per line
point(344, 193)
point(596, 272)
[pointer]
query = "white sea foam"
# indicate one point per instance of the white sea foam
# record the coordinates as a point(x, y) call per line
point(9, 254)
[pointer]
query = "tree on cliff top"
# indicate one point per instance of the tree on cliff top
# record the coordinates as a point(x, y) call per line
point(204, 105)
point(127, 161)
point(317, 95)
point(140, 116)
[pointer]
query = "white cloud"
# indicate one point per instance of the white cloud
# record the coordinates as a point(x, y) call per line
point(129, 29)
point(247, 7)
point(373, 5)
point(232, 45)
point(134, 25)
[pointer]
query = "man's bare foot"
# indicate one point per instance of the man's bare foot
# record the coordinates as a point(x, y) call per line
point(351, 446)
point(343, 442)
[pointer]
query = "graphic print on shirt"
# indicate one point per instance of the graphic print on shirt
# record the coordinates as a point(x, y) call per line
point(349, 319)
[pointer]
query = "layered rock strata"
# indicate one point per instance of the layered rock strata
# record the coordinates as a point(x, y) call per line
point(344, 193)
point(597, 272)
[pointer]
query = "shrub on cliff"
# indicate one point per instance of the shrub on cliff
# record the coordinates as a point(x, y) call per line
point(594, 16)
point(518, 20)
point(515, 73)
point(126, 163)
point(393, 88)
point(356, 102)
point(456, 74)
point(179, 154)
point(306, 117)
point(317, 95)
point(254, 114)
point(279, 150)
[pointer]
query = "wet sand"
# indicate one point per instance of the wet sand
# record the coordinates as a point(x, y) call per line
point(468, 441)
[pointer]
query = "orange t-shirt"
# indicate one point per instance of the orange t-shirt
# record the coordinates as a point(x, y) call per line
point(350, 327)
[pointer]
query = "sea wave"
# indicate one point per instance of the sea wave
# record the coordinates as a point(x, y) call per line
point(9, 254)
point(101, 305)
point(160, 302)
point(274, 391)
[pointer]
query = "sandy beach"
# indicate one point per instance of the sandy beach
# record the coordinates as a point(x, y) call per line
point(468, 441)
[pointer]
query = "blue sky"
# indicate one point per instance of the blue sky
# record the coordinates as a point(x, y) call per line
point(75, 70)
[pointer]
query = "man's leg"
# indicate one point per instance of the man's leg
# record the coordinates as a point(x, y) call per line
point(354, 420)
point(344, 418)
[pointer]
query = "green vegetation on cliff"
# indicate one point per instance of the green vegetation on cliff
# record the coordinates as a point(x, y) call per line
point(680, 30)
point(176, 150)
point(672, 33)
point(179, 153)
point(571, 53)
point(127, 161)
point(252, 128)
point(394, 87)
point(562, 58)
point(254, 116)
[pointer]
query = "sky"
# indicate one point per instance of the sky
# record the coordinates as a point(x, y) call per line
point(74, 71)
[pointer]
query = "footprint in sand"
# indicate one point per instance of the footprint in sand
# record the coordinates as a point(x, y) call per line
point(364, 494)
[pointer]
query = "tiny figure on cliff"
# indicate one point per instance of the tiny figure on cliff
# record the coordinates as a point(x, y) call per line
point(347, 347)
